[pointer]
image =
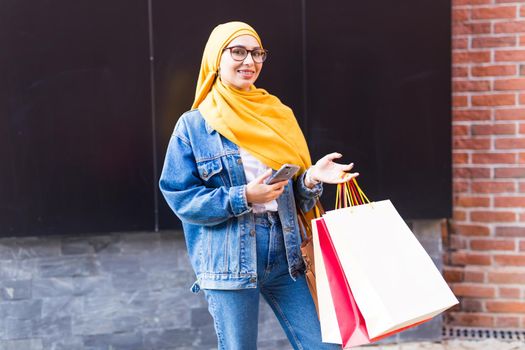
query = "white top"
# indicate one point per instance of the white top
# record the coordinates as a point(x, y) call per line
point(253, 167)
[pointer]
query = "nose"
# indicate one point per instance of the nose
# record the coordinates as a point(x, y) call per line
point(248, 59)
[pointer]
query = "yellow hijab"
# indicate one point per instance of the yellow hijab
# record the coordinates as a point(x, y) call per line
point(254, 120)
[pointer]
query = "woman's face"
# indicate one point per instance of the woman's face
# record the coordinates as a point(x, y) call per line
point(240, 74)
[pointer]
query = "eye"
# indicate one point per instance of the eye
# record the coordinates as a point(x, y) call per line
point(257, 53)
point(239, 51)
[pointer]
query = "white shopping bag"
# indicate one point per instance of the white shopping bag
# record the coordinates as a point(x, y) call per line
point(327, 317)
point(393, 280)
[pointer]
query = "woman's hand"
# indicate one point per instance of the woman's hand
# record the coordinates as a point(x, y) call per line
point(326, 170)
point(259, 192)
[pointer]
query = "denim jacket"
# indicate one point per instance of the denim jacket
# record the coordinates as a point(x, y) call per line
point(204, 184)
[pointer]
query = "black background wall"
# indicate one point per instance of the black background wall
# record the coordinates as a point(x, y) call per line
point(90, 92)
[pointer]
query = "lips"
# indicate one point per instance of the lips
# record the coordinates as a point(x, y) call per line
point(246, 73)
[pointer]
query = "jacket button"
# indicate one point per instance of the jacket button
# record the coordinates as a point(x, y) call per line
point(239, 161)
point(253, 280)
point(252, 233)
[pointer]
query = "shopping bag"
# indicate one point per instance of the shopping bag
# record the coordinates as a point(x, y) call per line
point(330, 332)
point(383, 271)
point(307, 249)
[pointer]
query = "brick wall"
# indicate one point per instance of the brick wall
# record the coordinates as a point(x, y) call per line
point(486, 258)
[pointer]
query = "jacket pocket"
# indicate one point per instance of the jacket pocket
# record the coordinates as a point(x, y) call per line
point(208, 168)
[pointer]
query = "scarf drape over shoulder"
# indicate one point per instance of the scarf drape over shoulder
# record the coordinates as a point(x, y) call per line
point(254, 120)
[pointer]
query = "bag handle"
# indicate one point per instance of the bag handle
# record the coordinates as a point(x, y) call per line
point(349, 194)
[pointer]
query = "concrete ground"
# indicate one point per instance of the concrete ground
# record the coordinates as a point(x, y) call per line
point(488, 344)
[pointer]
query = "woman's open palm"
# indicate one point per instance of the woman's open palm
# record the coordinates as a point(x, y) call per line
point(327, 171)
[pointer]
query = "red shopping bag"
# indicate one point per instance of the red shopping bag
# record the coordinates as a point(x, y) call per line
point(351, 323)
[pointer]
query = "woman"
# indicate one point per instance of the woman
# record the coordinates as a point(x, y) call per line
point(242, 235)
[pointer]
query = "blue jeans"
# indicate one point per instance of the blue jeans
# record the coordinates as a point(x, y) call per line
point(236, 312)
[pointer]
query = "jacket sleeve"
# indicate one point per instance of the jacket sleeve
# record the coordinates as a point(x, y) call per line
point(186, 193)
point(305, 197)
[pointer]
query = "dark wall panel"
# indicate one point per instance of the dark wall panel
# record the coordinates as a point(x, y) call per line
point(78, 152)
point(379, 92)
point(181, 31)
point(75, 125)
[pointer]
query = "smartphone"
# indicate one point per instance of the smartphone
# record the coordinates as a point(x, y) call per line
point(285, 173)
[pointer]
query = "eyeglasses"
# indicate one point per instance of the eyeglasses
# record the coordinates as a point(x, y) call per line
point(239, 53)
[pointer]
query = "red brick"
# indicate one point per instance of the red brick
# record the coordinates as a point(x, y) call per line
point(521, 158)
point(470, 85)
point(522, 99)
point(471, 2)
point(507, 322)
point(460, 186)
point(474, 290)
point(464, 258)
point(505, 306)
point(465, 201)
point(452, 275)
point(521, 129)
point(493, 70)
point(471, 305)
point(474, 276)
point(464, 28)
point(493, 129)
point(492, 244)
point(494, 12)
point(472, 143)
point(509, 202)
point(459, 101)
point(459, 15)
point(493, 158)
point(522, 246)
point(505, 56)
point(471, 230)
point(458, 72)
point(460, 130)
point(492, 187)
point(510, 231)
point(522, 217)
point(522, 37)
point(522, 187)
point(471, 319)
point(470, 57)
point(509, 260)
point(493, 216)
point(470, 173)
point(509, 84)
point(506, 277)
point(459, 215)
point(509, 172)
point(509, 292)
point(459, 44)
point(509, 27)
point(473, 114)
point(494, 100)
point(459, 158)
point(483, 42)
point(510, 114)
point(510, 143)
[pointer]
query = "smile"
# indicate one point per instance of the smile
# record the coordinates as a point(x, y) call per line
point(246, 73)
